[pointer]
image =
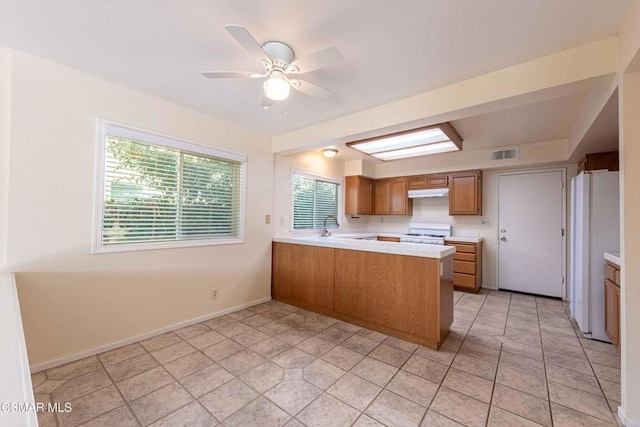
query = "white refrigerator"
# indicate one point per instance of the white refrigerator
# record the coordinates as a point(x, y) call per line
point(595, 229)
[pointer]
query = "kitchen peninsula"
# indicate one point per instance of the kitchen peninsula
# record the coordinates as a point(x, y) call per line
point(395, 288)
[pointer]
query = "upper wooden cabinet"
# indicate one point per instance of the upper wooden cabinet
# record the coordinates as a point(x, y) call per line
point(390, 197)
point(423, 182)
point(358, 199)
point(465, 193)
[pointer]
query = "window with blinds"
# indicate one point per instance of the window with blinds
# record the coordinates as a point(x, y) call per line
point(161, 191)
point(314, 198)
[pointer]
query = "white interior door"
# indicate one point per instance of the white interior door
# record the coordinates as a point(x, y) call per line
point(530, 233)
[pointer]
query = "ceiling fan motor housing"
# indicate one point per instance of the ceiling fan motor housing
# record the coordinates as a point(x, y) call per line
point(280, 54)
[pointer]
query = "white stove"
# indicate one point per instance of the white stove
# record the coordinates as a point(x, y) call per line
point(428, 233)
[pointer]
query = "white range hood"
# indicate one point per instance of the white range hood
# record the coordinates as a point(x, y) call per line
point(432, 192)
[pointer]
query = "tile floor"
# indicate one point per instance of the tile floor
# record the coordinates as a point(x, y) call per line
point(510, 360)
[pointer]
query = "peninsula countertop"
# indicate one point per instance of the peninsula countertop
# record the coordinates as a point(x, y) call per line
point(356, 242)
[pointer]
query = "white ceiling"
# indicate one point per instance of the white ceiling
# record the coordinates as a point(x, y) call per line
point(392, 49)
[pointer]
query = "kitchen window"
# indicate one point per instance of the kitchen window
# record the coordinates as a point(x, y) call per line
point(158, 192)
point(314, 198)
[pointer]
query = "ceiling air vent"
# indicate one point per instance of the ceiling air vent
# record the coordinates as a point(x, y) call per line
point(505, 153)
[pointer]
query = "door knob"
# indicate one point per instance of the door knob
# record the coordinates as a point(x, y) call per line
point(504, 239)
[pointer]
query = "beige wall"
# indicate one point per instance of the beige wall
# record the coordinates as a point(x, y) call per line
point(630, 244)
point(5, 115)
point(313, 162)
point(73, 301)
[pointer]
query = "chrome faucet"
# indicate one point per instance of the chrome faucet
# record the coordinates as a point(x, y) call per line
point(325, 232)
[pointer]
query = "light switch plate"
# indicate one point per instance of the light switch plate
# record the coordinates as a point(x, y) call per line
point(267, 219)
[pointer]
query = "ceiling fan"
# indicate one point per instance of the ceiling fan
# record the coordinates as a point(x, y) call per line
point(280, 65)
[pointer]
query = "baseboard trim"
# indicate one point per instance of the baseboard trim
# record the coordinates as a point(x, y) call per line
point(97, 350)
point(625, 420)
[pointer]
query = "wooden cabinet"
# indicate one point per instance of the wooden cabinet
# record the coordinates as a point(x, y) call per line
point(423, 182)
point(599, 161)
point(467, 266)
point(465, 193)
point(612, 303)
point(358, 198)
point(388, 239)
point(390, 197)
point(303, 275)
point(396, 295)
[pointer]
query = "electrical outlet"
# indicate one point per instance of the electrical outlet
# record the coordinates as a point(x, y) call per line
point(214, 293)
point(381, 219)
point(281, 221)
point(484, 221)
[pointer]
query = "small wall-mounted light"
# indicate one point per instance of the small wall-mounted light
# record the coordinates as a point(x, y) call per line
point(329, 152)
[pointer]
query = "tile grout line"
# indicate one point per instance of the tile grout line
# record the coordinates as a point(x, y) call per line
point(451, 364)
point(495, 378)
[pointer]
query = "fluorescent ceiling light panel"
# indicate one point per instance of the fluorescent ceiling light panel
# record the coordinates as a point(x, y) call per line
point(434, 139)
point(402, 141)
point(423, 150)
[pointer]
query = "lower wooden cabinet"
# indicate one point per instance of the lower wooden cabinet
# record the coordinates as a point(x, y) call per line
point(396, 295)
point(303, 275)
point(612, 303)
point(467, 266)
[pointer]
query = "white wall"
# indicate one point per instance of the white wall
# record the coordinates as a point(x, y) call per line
point(74, 301)
point(629, 103)
point(313, 162)
point(5, 115)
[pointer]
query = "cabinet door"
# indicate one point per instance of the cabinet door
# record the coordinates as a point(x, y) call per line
point(381, 202)
point(611, 311)
point(365, 196)
point(358, 198)
point(465, 194)
point(399, 197)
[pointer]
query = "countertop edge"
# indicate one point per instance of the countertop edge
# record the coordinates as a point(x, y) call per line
point(613, 258)
point(392, 248)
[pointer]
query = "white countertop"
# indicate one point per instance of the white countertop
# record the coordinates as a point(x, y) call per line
point(613, 257)
point(462, 239)
point(350, 241)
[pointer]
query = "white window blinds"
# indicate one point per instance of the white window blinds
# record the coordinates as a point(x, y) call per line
point(162, 193)
point(314, 199)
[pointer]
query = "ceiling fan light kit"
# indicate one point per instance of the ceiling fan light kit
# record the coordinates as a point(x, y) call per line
point(279, 62)
point(276, 87)
point(435, 139)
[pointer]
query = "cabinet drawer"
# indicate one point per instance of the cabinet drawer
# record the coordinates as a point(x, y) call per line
point(610, 272)
point(417, 183)
point(465, 267)
point(388, 239)
point(438, 181)
point(460, 247)
point(464, 280)
point(461, 256)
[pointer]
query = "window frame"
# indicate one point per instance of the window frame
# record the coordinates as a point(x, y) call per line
point(107, 127)
point(312, 175)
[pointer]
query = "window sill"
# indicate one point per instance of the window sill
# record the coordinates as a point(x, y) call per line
point(131, 247)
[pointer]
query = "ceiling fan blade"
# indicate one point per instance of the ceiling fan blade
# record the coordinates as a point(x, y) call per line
point(231, 74)
point(246, 40)
point(311, 89)
point(321, 59)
